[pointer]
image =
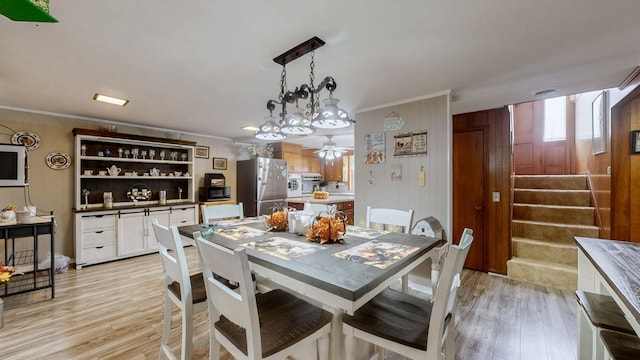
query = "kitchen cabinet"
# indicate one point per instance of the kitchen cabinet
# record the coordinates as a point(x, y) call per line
point(116, 234)
point(333, 170)
point(105, 232)
point(136, 235)
point(345, 206)
point(170, 169)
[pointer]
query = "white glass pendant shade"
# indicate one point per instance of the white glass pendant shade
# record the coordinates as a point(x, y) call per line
point(330, 116)
point(270, 130)
point(297, 124)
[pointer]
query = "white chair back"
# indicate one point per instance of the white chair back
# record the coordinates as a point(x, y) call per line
point(392, 217)
point(445, 297)
point(238, 306)
point(221, 212)
point(181, 289)
point(174, 260)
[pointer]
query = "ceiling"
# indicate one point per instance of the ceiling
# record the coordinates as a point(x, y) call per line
point(205, 67)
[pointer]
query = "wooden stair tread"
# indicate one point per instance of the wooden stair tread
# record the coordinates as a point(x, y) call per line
point(550, 206)
point(546, 223)
point(555, 266)
point(551, 243)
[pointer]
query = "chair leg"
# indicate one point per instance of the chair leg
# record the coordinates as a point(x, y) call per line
point(323, 347)
point(166, 327)
point(349, 346)
point(214, 346)
point(187, 332)
point(405, 283)
point(450, 341)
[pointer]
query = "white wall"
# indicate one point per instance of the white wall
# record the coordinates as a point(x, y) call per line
point(434, 199)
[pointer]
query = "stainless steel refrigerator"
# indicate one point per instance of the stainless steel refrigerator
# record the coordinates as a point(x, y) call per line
point(261, 185)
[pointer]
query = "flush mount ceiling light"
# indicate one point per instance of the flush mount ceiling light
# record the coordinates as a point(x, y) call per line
point(303, 120)
point(330, 150)
point(110, 100)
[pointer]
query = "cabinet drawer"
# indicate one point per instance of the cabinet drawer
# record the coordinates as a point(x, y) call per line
point(98, 222)
point(339, 206)
point(180, 215)
point(99, 253)
point(95, 238)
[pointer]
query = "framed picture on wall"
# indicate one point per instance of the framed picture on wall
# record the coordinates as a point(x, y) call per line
point(201, 152)
point(599, 124)
point(219, 163)
point(635, 142)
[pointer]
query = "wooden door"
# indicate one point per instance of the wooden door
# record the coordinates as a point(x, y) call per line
point(531, 154)
point(468, 192)
point(527, 139)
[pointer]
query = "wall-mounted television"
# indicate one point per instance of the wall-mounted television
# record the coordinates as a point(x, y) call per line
point(13, 165)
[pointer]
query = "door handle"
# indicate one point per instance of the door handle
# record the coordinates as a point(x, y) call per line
point(479, 208)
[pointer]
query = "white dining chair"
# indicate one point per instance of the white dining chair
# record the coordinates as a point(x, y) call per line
point(269, 325)
point(221, 212)
point(410, 326)
point(185, 291)
point(389, 217)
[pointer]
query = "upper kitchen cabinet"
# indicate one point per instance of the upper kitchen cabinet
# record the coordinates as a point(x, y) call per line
point(293, 154)
point(314, 162)
point(333, 170)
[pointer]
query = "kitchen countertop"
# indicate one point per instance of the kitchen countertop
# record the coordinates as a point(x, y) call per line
point(331, 199)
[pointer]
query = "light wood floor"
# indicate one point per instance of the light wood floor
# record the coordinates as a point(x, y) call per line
point(114, 311)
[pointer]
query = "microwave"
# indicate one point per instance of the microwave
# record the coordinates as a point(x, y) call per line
point(215, 193)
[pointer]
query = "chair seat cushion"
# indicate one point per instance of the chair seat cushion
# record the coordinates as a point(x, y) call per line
point(394, 316)
point(198, 291)
point(284, 320)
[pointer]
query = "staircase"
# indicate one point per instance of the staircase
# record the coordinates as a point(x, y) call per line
point(548, 211)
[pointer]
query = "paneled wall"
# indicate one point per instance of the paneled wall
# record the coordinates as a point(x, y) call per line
point(52, 190)
point(625, 176)
point(596, 167)
point(434, 199)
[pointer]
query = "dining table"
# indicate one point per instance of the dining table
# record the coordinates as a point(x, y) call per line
point(341, 276)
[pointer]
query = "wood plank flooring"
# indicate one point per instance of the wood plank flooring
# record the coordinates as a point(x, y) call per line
point(114, 311)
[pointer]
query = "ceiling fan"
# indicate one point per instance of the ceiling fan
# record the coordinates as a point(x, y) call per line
point(330, 150)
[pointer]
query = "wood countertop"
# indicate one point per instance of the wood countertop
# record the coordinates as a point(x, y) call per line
point(329, 200)
point(618, 262)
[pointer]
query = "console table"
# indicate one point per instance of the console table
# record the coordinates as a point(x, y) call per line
point(32, 278)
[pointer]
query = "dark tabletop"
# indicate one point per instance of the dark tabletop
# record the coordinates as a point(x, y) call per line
point(345, 278)
point(619, 264)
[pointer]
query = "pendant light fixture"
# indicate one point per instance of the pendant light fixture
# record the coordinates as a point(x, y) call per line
point(303, 120)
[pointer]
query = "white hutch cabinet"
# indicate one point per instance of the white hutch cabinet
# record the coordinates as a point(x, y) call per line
point(134, 170)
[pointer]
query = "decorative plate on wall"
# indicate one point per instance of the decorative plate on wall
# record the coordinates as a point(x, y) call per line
point(30, 140)
point(58, 160)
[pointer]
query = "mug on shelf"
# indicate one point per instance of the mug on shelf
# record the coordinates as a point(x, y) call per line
point(102, 172)
point(88, 172)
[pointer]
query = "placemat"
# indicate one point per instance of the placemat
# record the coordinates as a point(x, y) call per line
point(365, 232)
point(283, 248)
point(376, 253)
point(239, 232)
